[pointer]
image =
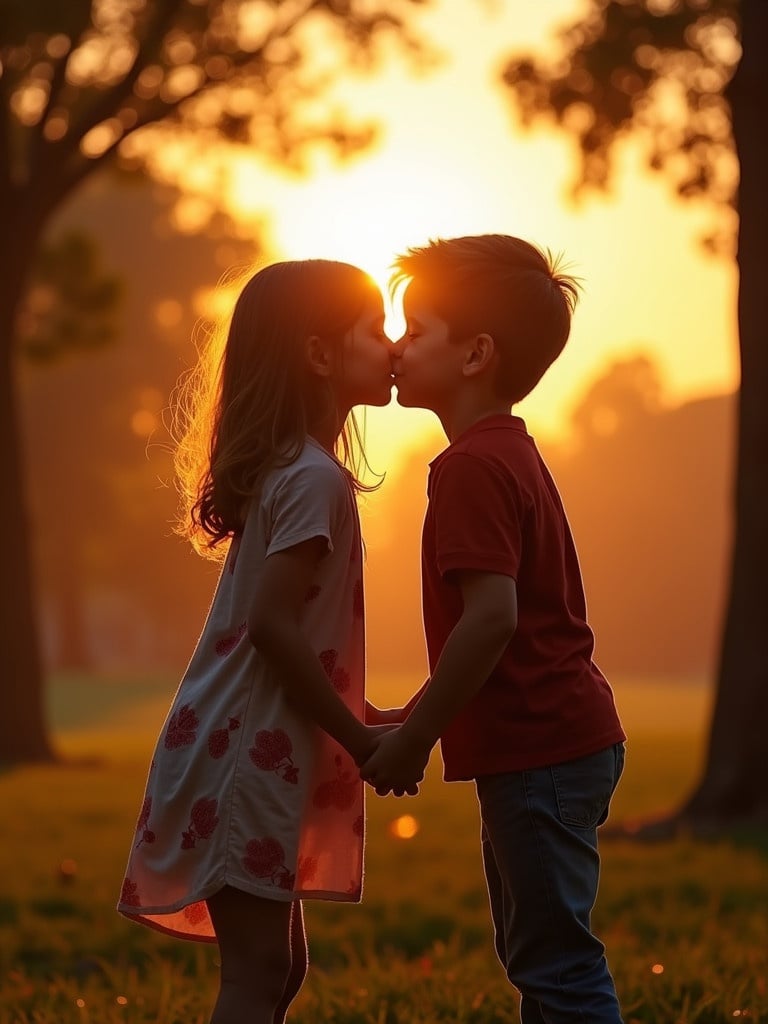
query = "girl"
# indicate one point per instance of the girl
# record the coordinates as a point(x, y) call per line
point(254, 799)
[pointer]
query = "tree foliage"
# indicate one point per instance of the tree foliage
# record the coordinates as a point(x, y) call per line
point(80, 80)
point(657, 67)
point(71, 304)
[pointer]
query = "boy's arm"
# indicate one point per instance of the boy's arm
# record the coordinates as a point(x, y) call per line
point(470, 654)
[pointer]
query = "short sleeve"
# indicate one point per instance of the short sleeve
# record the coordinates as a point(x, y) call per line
point(308, 500)
point(479, 513)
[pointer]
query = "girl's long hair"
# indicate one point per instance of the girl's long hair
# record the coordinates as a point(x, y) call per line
point(247, 404)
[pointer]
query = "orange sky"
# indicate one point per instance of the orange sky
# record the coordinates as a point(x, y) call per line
point(452, 160)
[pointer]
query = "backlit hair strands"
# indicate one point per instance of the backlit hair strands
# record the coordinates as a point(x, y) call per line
point(246, 406)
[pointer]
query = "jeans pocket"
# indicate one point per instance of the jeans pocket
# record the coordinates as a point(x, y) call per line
point(583, 788)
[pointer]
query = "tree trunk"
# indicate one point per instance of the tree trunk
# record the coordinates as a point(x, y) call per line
point(733, 783)
point(23, 734)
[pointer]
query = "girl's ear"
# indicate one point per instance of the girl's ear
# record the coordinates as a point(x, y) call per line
point(319, 356)
point(480, 353)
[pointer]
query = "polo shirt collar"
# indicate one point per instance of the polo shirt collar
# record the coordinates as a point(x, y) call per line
point(505, 421)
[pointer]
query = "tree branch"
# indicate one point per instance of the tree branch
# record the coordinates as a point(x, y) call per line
point(110, 102)
point(57, 81)
point(161, 109)
point(39, 141)
point(65, 168)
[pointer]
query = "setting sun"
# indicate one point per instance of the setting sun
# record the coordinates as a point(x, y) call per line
point(368, 213)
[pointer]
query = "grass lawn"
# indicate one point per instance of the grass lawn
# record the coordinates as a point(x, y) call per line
point(685, 923)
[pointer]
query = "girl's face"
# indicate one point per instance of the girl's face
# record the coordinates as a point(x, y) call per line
point(365, 368)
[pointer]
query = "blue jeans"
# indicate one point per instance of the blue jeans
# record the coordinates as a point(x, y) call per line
point(539, 833)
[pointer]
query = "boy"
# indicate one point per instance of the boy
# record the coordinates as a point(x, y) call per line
point(514, 696)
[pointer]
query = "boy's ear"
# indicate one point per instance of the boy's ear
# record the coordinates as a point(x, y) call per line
point(480, 353)
point(318, 356)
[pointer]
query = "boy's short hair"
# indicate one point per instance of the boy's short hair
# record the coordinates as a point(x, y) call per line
point(497, 285)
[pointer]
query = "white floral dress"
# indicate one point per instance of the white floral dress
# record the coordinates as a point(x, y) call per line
point(243, 790)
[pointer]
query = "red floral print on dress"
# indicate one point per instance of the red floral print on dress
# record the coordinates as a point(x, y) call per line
point(265, 858)
point(339, 792)
point(358, 604)
point(229, 643)
point(312, 593)
point(271, 752)
point(338, 675)
point(218, 741)
point(129, 894)
point(182, 728)
point(202, 822)
point(142, 825)
point(196, 912)
point(306, 870)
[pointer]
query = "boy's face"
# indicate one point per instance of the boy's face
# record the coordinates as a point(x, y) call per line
point(427, 365)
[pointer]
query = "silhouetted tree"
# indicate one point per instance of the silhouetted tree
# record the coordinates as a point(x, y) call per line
point(653, 600)
point(78, 80)
point(629, 390)
point(692, 75)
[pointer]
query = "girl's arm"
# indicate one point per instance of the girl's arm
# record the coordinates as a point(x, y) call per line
point(273, 628)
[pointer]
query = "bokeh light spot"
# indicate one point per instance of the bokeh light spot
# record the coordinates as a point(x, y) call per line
point(404, 827)
point(168, 313)
point(144, 423)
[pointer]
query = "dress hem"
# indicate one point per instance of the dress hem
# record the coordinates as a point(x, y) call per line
point(147, 915)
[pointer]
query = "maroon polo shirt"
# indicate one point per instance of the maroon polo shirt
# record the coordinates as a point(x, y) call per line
point(493, 506)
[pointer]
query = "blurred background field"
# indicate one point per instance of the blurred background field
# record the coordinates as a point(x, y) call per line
point(685, 922)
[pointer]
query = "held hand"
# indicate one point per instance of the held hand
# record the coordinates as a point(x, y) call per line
point(397, 765)
point(370, 741)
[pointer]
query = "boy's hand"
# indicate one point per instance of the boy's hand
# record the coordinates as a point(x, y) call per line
point(396, 766)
